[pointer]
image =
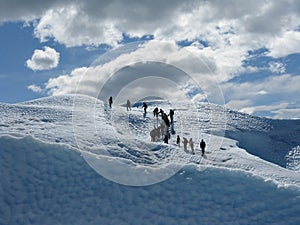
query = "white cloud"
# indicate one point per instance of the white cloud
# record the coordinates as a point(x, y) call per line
point(275, 85)
point(287, 113)
point(35, 88)
point(271, 94)
point(251, 110)
point(246, 24)
point(237, 104)
point(19, 10)
point(288, 43)
point(93, 78)
point(277, 67)
point(240, 96)
point(230, 29)
point(43, 59)
point(67, 84)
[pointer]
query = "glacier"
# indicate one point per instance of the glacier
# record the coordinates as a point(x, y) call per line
point(53, 169)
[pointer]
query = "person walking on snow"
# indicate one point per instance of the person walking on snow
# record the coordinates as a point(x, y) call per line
point(192, 145)
point(110, 101)
point(185, 142)
point(145, 107)
point(166, 139)
point(178, 141)
point(171, 114)
point(166, 120)
point(128, 105)
point(202, 146)
point(155, 134)
point(155, 112)
point(167, 123)
point(161, 111)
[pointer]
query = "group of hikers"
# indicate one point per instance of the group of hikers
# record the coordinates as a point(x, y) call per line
point(163, 130)
point(191, 143)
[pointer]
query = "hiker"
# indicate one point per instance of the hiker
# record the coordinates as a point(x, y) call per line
point(161, 111)
point(202, 146)
point(110, 101)
point(185, 142)
point(171, 114)
point(178, 141)
point(172, 129)
point(128, 105)
point(152, 135)
point(192, 145)
point(166, 139)
point(166, 123)
point(166, 120)
point(145, 107)
point(155, 112)
point(155, 134)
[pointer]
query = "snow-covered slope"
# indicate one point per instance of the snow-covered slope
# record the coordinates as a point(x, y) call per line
point(249, 177)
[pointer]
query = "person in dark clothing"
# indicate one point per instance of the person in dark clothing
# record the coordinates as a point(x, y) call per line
point(173, 132)
point(166, 120)
point(161, 112)
point(110, 101)
point(202, 146)
point(155, 112)
point(166, 139)
point(145, 107)
point(185, 142)
point(128, 105)
point(171, 114)
point(178, 141)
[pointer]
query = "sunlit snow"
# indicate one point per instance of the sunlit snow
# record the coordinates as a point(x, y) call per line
point(57, 152)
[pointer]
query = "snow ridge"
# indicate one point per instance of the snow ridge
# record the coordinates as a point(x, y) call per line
point(43, 183)
point(125, 135)
point(46, 178)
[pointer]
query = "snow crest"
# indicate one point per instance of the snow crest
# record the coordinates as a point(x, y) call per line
point(116, 142)
point(51, 158)
point(50, 183)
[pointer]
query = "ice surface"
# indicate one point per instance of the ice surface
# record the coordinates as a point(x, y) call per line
point(251, 178)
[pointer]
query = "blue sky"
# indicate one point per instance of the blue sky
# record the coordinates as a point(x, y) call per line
point(18, 45)
point(252, 48)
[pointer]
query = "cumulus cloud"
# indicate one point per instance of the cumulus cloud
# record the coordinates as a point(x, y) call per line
point(275, 85)
point(68, 83)
point(238, 104)
point(277, 111)
point(150, 59)
point(228, 28)
point(45, 59)
point(74, 23)
point(273, 108)
point(269, 94)
point(19, 10)
point(287, 113)
point(277, 67)
point(288, 43)
point(35, 88)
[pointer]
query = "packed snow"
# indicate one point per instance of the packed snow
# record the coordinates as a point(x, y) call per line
point(73, 160)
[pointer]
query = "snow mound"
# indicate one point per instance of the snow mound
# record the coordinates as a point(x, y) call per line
point(51, 149)
point(88, 125)
point(48, 183)
point(293, 159)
